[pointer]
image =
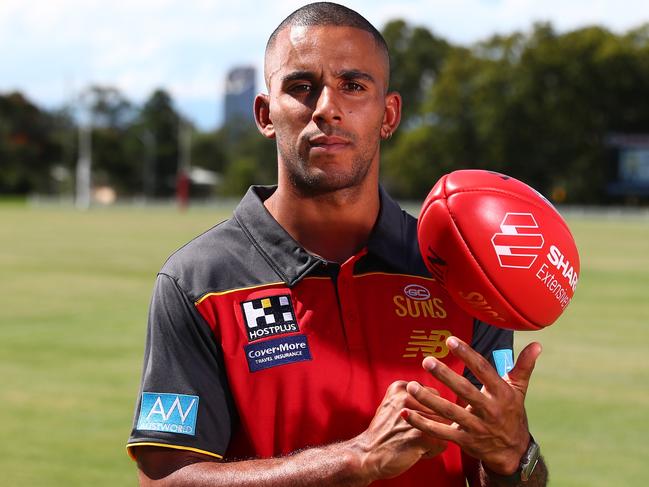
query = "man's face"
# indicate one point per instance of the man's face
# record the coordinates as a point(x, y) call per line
point(327, 102)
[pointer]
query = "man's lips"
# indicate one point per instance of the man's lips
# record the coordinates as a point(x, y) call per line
point(328, 142)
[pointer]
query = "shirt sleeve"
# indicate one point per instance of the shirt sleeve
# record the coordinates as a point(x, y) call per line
point(494, 344)
point(184, 400)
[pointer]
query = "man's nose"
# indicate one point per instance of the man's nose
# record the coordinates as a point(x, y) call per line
point(327, 107)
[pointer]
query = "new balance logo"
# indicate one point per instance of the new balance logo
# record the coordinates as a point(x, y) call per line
point(423, 344)
point(516, 246)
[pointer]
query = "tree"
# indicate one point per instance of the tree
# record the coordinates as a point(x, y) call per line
point(160, 119)
point(252, 159)
point(209, 151)
point(114, 151)
point(416, 57)
point(537, 106)
point(28, 150)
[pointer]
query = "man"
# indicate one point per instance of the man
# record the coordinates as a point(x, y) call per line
point(280, 341)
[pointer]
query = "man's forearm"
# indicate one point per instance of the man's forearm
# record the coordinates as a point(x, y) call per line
point(539, 478)
point(333, 465)
point(387, 448)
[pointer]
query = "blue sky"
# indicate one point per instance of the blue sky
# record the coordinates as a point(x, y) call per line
point(52, 49)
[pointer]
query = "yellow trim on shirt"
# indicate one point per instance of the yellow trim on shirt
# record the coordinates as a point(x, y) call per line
point(270, 284)
point(175, 447)
point(394, 274)
point(221, 293)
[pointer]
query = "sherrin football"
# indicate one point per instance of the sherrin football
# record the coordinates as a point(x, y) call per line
point(499, 248)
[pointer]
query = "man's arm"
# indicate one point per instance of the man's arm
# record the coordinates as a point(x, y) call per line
point(387, 448)
point(493, 426)
point(337, 464)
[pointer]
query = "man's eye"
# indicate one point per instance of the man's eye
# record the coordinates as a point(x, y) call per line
point(352, 86)
point(300, 88)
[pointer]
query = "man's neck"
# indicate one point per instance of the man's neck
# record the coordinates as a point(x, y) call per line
point(333, 226)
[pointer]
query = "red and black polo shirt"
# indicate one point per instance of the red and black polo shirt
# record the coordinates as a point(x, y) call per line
point(257, 348)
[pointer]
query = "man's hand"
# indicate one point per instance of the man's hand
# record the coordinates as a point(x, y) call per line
point(493, 426)
point(390, 446)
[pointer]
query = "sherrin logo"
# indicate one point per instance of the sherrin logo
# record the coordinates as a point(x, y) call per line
point(478, 302)
point(515, 245)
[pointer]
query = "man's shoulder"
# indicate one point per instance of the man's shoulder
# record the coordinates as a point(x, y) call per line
point(203, 248)
point(219, 259)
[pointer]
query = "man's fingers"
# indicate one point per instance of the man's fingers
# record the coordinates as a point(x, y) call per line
point(457, 383)
point(475, 362)
point(445, 411)
point(408, 400)
point(519, 376)
point(431, 427)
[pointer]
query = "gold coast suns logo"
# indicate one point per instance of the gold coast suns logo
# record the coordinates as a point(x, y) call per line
point(416, 302)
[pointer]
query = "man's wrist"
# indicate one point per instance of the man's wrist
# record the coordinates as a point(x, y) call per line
point(523, 471)
point(510, 466)
point(355, 462)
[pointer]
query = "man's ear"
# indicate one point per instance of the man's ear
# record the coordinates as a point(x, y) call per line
point(262, 116)
point(392, 115)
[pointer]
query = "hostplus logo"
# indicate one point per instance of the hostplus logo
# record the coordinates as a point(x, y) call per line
point(269, 316)
point(516, 245)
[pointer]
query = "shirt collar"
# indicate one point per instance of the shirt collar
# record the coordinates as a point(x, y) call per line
point(394, 237)
point(391, 238)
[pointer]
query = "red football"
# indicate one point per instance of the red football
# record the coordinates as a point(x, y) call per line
point(501, 250)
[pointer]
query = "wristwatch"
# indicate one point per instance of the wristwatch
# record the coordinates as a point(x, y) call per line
point(525, 468)
point(529, 460)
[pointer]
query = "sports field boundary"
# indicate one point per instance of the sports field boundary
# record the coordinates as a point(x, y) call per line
point(411, 206)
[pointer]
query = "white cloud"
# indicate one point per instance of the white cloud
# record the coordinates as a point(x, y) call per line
point(52, 47)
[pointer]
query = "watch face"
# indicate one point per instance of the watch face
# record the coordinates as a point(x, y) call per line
point(529, 461)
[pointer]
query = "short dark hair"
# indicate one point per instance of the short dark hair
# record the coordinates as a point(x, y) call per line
point(328, 13)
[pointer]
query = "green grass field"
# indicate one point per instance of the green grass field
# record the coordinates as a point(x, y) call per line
point(74, 294)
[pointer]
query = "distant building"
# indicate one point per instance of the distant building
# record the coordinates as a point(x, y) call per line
point(240, 91)
point(629, 165)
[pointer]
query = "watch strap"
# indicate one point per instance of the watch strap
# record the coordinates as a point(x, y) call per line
point(529, 460)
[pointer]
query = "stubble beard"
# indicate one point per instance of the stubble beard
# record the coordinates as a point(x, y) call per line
point(312, 179)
